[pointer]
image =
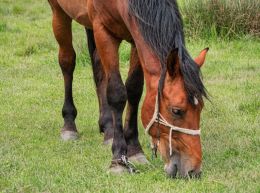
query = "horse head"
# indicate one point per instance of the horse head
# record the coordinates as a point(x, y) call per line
point(173, 121)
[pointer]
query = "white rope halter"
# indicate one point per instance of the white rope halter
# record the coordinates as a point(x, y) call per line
point(158, 118)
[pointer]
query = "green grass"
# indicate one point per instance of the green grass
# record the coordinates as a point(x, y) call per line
point(227, 19)
point(34, 159)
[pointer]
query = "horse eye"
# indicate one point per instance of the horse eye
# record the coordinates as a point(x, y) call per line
point(177, 113)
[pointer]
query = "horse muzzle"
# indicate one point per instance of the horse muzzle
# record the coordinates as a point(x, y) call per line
point(182, 166)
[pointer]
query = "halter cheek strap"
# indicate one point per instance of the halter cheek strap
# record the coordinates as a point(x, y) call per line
point(158, 118)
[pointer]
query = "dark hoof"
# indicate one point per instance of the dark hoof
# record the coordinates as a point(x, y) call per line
point(117, 169)
point(122, 165)
point(69, 135)
point(138, 158)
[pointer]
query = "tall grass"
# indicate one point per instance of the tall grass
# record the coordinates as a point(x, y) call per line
point(221, 18)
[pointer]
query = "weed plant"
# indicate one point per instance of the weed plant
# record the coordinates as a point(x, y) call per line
point(227, 19)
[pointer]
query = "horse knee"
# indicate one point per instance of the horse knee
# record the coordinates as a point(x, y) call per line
point(67, 60)
point(98, 70)
point(116, 92)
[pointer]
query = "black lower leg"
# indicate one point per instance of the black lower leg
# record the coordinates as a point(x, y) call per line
point(116, 95)
point(134, 86)
point(69, 111)
point(105, 117)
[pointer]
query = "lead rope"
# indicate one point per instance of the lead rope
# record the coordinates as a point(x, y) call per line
point(130, 166)
point(156, 114)
point(158, 134)
point(170, 141)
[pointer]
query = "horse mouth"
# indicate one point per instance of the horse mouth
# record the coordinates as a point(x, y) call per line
point(173, 166)
point(181, 168)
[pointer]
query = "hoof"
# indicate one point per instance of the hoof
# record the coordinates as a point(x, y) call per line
point(117, 169)
point(138, 158)
point(108, 142)
point(69, 135)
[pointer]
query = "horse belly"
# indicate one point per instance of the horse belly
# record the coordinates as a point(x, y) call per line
point(77, 10)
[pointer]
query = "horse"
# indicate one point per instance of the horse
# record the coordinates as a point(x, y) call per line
point(174, 89)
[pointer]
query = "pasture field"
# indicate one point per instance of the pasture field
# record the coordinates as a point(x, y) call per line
point(34, 159)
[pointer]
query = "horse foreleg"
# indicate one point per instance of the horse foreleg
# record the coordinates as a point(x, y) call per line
point(107, 46)
point(134, 87)
point(105, 116)
point(62, 31)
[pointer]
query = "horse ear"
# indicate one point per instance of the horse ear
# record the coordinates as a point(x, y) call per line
point(172, 61)
point(201, 58)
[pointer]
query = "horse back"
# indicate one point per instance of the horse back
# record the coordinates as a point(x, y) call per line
point(109, 12)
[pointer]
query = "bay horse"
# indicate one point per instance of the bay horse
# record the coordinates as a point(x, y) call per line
point(174, 89)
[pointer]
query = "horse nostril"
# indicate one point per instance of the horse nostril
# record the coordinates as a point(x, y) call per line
point(174, 171)
point(194, 174)
point(171, 171)
point(190, 173)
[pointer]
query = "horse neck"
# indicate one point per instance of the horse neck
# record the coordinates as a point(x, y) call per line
point(152, 72)
point(149, 60)
point(148, 107)
point(151, 67)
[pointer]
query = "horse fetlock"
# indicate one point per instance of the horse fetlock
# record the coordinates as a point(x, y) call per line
point(108, 136)
point(69, 125)
point(69, 111)
point(105, 121)
point(134, 148)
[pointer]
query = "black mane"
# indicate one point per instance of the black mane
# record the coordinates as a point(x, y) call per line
point(161, 25)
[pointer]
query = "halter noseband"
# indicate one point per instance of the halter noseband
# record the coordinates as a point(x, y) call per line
point(158, 118)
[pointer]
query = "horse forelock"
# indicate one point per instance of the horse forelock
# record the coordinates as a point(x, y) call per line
point(161, 26)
